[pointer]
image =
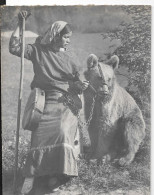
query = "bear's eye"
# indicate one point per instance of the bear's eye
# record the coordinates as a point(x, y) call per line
point(99, 78)
point(109, 79)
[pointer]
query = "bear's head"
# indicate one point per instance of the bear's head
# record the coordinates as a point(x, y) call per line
point(101, 76)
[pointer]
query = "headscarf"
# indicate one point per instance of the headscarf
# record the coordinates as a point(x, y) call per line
point(55, 29)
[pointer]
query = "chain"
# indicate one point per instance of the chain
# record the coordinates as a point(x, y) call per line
point(69, 102)
point(87, 123)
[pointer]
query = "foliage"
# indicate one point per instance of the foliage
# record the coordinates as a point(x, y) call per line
point(8, 148)
point(135, 50)
point(8, 154)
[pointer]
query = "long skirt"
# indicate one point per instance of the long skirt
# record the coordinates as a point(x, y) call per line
point(55, 143)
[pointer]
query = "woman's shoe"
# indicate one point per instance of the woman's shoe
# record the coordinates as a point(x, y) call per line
point(54, 184)
point(64, 179)
point(27, 186)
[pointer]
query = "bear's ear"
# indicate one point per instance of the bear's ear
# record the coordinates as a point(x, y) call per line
point(113, 61)
point(92, 61)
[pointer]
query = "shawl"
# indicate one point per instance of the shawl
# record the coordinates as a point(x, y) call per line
point(55, 29)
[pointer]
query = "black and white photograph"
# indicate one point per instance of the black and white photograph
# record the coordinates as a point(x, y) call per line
point(76, 100)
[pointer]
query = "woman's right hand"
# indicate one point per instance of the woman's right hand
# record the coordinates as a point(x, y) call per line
point(85, 85)
point(23, 14)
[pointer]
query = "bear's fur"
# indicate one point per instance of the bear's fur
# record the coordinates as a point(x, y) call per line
point(117, 127)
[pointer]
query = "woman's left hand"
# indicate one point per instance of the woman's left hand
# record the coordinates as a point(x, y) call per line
point(23, 15)
point(85, 85)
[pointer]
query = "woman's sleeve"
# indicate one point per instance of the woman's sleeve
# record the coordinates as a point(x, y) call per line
point(15, 48)
point(75, 85)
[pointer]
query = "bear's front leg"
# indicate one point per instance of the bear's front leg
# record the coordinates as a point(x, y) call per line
point(104, 160)
point(133, 134)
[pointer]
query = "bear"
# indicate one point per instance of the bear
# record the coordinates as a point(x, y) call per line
point(117, 127)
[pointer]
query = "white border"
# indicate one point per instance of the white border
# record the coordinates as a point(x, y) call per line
point(79, 2)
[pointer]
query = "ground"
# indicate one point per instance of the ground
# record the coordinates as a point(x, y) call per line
point(76, 190)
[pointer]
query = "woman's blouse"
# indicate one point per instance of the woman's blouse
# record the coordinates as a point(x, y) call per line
point(52, 70)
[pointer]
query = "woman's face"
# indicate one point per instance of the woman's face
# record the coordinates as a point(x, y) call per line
point(63, 41)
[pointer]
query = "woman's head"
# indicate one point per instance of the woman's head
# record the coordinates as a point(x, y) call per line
point(58, 34)
point(62, 39)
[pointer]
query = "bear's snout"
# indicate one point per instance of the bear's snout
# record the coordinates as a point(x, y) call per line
point(103, 90)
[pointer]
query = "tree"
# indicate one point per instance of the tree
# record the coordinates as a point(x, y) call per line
point(135, 50)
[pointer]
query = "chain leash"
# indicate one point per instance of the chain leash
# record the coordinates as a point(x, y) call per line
point(84, 132)
point(69, 102)
point(87, 123)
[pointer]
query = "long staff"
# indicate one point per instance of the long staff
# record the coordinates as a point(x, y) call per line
point(22, 38)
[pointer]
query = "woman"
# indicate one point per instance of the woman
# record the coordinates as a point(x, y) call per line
point(56, 72)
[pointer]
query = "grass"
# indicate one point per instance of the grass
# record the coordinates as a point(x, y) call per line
point(107, 176)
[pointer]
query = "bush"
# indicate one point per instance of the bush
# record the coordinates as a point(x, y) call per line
point(135, 52)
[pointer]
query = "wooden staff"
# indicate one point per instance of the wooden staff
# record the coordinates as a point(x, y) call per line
point(22, 38)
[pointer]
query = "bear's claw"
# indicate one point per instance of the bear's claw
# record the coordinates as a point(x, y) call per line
point(125, 161)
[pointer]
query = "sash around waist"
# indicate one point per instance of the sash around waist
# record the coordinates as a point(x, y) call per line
point(53, 95)
point(57, 96)
point(70, 100)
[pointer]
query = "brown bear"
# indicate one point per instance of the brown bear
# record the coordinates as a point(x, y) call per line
point(117, 127)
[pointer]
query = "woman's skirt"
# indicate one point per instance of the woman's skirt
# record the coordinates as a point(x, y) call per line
point(55, 143)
